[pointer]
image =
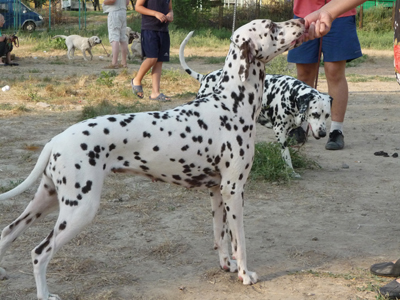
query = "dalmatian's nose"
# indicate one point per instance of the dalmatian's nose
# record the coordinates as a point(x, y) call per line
point(322, 133)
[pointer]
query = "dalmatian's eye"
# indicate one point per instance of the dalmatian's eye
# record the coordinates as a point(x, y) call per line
point(326, 116)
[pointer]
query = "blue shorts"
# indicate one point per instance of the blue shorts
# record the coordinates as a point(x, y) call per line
point(156, 44)
point(341, 43)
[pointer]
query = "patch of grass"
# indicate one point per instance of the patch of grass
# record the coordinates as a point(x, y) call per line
point(364, 78)
point(186, 95)
point(269, 165)
point(10, 186)
point(374, 40)
point(106, 78)
point(6, 106)
point(215, 60)
point(105, 107)
point(279, 65)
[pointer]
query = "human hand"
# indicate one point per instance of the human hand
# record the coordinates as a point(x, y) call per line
point(170, 16)
point(318, 24)
point(163, 18)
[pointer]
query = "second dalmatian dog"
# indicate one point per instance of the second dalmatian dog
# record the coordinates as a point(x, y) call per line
point(206, 143)
point(287, 102)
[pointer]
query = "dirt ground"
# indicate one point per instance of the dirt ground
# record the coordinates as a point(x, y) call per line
point(314, 238)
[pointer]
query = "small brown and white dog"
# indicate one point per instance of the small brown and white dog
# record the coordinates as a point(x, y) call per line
point(134, 38)
point(78, 42)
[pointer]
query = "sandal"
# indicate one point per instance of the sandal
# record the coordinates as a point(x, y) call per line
point(136, 89)
point(161, 97)
point(387, 269)
point(391, 290)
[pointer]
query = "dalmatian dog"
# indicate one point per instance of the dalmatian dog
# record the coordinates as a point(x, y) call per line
point(206, 143)
point(78, 42)
point(287, 102)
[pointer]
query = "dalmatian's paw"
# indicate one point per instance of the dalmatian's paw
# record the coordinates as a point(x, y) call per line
point(248, 277)
point(3, 274)
point(295, 175)
point(54, 297)
point(230, 266)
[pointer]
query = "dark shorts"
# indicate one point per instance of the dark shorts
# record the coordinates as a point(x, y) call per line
point(156, 44)
point(341, 43)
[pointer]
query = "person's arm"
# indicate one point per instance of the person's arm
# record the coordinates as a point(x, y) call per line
point(139, 7)
point(170, 15)
point(319, 22)
point(2, 38)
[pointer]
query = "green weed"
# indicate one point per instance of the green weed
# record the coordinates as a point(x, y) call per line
point(106, 78)
point(269, 165)
point(10, 186)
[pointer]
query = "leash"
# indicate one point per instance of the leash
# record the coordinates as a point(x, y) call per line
point(319, 61)
point(316, 81)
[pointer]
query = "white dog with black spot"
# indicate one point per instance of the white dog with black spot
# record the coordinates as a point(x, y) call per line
point(207, 143)
point(287, 102)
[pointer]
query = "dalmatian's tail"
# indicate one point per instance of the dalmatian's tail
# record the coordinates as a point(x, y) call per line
point(36, 172)
point(194, 74)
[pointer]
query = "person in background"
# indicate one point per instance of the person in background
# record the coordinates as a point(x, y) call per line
point(338, 46)
point(116, 23)
point(156, 15)
point(319, 24)
point(5, 50)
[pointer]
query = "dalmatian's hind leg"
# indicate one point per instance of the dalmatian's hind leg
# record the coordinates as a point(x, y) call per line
point(232, 195)
point(74, 216)
point(44, 202)
point(221, 231)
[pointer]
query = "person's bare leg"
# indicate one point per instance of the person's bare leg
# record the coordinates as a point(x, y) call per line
point(124, 52)
point(8, 58)
point(146, 65)
point(339, 91)
point(115, 52)
point(307, 73)
point(337, 88)
point(156, 79)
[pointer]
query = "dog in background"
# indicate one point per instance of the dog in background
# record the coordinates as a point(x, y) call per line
point(135, 40)
point(78, 42)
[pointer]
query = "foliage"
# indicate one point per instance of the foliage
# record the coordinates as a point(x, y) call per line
point(269, 165)
point(375, 40)
point(376, 19)
point(106, 78)
point(279, 65)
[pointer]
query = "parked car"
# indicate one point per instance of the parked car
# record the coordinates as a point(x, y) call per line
point(17, 14)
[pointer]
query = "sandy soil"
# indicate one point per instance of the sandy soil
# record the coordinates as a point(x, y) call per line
point(312, 239)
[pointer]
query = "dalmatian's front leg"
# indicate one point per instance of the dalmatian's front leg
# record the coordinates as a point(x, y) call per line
point(221, 231)
point(232, 195)
point(281, 136)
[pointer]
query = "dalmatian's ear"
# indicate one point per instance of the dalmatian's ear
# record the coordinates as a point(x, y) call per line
point(303, 103)
point(246, 59)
